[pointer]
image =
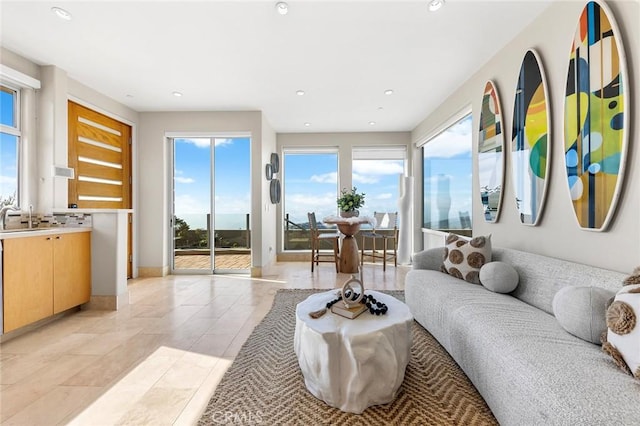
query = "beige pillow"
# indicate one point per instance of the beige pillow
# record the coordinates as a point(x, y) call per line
point(623, 325)
point(463, 258)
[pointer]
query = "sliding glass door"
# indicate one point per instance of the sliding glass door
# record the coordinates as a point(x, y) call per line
point(211, 204)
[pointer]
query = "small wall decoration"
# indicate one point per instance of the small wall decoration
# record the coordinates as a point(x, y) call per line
point(530, 142)
point(491, 153)
point(274, 191)
point(596, 117)
point(268, 171)
point(275, 162)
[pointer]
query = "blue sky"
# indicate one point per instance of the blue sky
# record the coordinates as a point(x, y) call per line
point(8, 149)
point(311, 184)
point(192, 158)
point(450, 178)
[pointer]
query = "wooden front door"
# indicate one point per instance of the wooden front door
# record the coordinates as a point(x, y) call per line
point(100, 153)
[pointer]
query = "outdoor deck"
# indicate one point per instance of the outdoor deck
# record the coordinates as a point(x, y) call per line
point(223, 261)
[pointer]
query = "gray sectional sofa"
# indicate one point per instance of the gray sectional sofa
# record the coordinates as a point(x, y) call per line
point(529, 370)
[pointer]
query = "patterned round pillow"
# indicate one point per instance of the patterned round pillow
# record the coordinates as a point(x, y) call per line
point(463, 258)
point(623, 334)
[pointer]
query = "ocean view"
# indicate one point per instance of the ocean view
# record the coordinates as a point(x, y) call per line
point(223, 221)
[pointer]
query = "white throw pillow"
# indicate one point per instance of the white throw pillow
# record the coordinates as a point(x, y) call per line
point(582, 311)
point(499, 277)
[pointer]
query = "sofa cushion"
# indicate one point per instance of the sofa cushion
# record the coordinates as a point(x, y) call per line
point(464, 258)
point(541, 277)
point(499, 277)
point(581, 311)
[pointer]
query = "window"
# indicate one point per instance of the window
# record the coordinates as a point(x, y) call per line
point(447, 179)
point(9, 145)
point(376, 172)
point(310, 181)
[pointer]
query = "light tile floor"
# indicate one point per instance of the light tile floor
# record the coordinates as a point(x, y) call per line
point(158, 360)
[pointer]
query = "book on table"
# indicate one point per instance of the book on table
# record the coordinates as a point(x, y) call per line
point(351, 312)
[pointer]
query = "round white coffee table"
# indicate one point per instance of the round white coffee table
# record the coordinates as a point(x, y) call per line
point(352, 364)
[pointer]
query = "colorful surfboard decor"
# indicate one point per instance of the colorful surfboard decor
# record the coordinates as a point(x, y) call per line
point(530, 142)
point(491, 153)
point(596, 117)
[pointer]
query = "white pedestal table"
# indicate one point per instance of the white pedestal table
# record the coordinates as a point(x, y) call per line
point(352, 364)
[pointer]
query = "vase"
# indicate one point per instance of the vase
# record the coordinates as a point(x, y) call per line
point(352, 213)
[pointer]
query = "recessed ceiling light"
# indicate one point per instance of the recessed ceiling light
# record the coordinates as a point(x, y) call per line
point(61, 13)
point(435, 5)
point(372, 123)
point(307, 124)
point(177, 94)
point(282, 8)
point(388, 92)
point(300, 92)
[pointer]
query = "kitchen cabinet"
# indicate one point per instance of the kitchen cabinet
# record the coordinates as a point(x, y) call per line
point(44, 275)
point(71, 270)
point(27, 280)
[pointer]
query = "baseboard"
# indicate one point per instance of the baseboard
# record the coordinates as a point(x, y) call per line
point(107, 303)
point(296, 256)
point(102, 303)
point(33, 326)
point(153, 271)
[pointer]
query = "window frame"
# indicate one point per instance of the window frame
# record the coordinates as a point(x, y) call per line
point(16, 131)
point(282, 174)
point(449, 123)
point(379, 153)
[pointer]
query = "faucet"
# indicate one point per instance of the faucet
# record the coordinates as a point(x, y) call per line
point(3, 214)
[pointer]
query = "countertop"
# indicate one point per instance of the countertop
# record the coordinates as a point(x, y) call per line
point(93, 211)
point(8, 234)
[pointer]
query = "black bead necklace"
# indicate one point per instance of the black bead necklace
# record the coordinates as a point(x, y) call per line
point(375, 307)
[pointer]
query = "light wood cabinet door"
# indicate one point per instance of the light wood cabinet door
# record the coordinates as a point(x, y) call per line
point(27, 280)
point(71, 270)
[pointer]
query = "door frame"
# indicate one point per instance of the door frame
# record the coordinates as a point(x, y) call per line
point(133, 217)
point(169, 138)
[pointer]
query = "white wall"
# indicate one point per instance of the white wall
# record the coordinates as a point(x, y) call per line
point(269, 211)
point(558, 234)
point(19, 63)
point(29, 182)
point(47, 137)
point(154, 183)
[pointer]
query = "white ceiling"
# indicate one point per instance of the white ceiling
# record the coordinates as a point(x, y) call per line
point(243, 55)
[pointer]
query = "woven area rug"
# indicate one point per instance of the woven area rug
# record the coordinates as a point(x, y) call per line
point(264, 385)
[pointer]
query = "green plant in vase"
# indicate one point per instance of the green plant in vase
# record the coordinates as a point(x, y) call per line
point(350, 201)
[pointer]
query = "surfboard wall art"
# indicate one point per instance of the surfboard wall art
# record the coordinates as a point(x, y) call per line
point(596, 115)
point(491, 153)
point(530, 140)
